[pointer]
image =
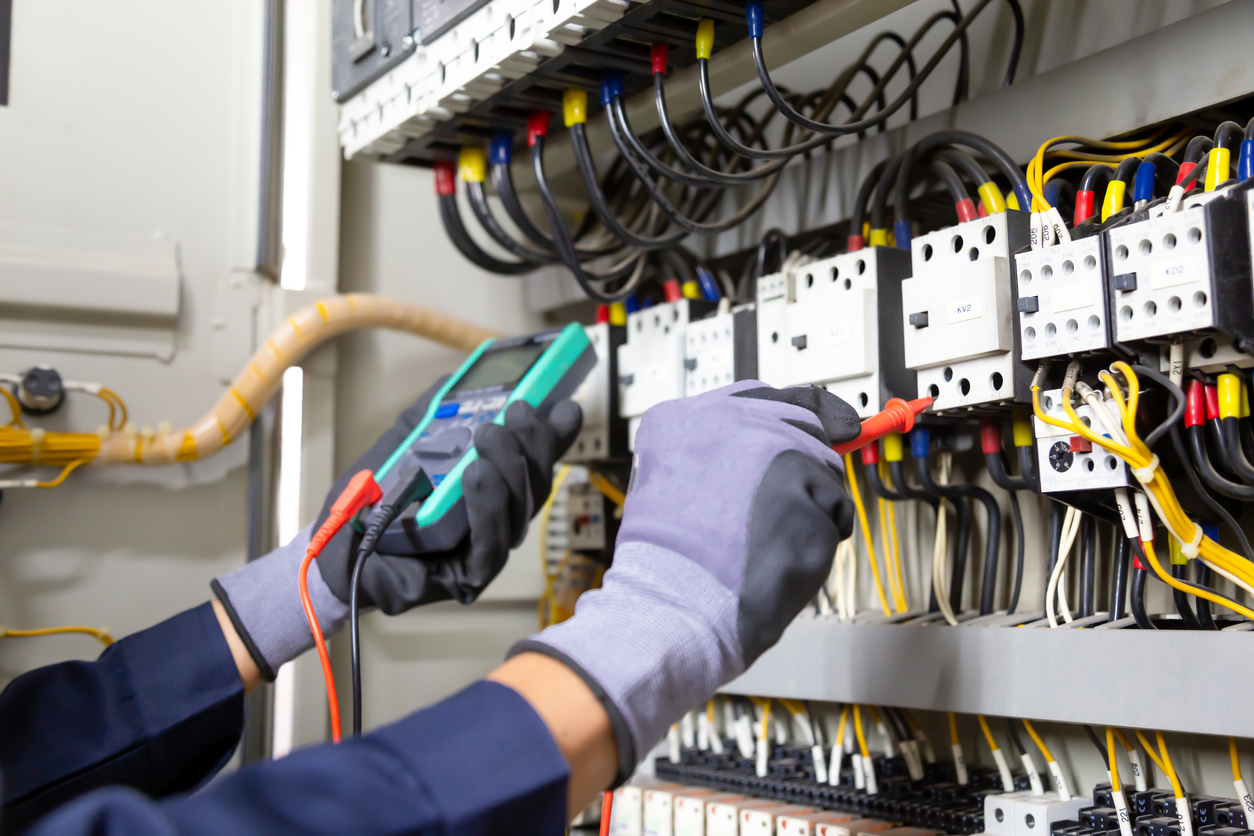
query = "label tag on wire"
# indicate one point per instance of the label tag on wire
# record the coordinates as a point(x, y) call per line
point(1034, 777)
point(820, 764)
point(1035, 230)
point(960, 764)
point(1243, 795)
point(859, 777)
point(703, 732)
point(1121, 810)
point(833, 771)
point(910, 751)
point(868, 766)
point(1138, 771)
point(1057, 226)
point(686, 732)
point(889, 750)
point(1060, 781)
point(744, 736)
point(1185, 815)
point(1143, 520)
point(1007, 780)
point(673, 745)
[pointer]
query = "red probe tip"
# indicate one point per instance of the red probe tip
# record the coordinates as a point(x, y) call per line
point(898, 417)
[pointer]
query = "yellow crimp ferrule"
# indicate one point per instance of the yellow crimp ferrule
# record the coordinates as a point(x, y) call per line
point(618, 313)
point(1173, 548)
point(1021, 424)
point(1113, 201)
point(879, 238)
point(691, 290)
point(893, 447)
point(1245, 400)
point(992, 198)
point(1229, 396)
point(1012, 202)
point(472, 164)
point(705, 38)
point(1218, 168)
point(575, 107)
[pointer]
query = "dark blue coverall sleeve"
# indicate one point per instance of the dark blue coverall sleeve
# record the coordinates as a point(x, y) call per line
point(481, 762)
point(160, 711)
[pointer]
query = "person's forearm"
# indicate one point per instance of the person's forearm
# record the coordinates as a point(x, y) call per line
point(575, 717)
point(249, 673)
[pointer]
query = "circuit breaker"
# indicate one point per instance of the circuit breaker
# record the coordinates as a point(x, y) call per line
point(1183, 272)
point(844, 328)
point(603, 436)
point(957, 312)
point(774, 294)
point(1068, 462)
point(651, 362)
point(1062, 303)
point(721, 349)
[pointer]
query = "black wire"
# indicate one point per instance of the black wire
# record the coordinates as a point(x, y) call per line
point(1230, 429)
point(1213, 504)
point(1197, 148)
point(1201, 605)
point(1014, 737)
point(461, 239)
point(1004, 162)
point(1101, 747)
point(965, 163)
point(1206, 469)
point(946, 174)
point(503, 181)
point(879, 202)
point(878, 487)
point(1119, 580)
point(863, 197)
point(1177, 397)
point(954, 492)
point(1088, 565)
point(997, 470)
point(1181, 600)
point(1138, 592)
point(1027, 467)
point(1020, 544)
point(354, 611)
point(483, 213)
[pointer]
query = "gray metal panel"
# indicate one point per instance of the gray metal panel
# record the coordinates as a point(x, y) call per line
point(1171, 680)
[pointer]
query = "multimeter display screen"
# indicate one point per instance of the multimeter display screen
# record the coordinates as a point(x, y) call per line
point(500, 368)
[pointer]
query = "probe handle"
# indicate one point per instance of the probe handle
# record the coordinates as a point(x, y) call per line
point(898, 417)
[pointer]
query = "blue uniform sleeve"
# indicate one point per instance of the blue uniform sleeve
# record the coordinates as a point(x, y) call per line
point(480, 762)
point(160, 711)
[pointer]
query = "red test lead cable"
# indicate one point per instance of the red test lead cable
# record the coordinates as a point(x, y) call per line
point(898, 417)
point(362, 490)
point(607, 808)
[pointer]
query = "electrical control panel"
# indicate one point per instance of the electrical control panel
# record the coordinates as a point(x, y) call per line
point(651, 362)
point(590, 524)
point(1062, 301)
point(774, 294)
point(604, 433)
point(1068, 462)
point(957, 312)
point(1185, 272)
point(368, 38)
point(844, 328)
point(720, 350)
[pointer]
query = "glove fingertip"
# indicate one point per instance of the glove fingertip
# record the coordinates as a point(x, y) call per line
point(566, 419)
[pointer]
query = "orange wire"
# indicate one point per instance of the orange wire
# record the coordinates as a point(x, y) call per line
point(607, 807)
point(333, 701)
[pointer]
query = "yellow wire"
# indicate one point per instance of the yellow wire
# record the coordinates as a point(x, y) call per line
point(900, 587)
point(1040, 744)
point(1134, 147)
point(764, 734)
point(866, 531)
point(1236, 759)
point(840, 731)
point(1114, 761)
point(1167, 767)
point(110, 397)
point(988, 733)
point(857, 730)
point(953, 728)
point(65, 471)
point(15, 409)
point(606, 487)
point(1149, 749)
point(101, 635)
point(1123, 738)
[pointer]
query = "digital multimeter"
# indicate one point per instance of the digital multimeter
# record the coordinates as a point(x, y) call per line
point(540, 369)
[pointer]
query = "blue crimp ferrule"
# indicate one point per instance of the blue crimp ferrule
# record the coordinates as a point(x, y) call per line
point(632, 304)
point(753, 16)
point(1210, 529)
point(902, 234)
point(611, 86)
point(709, 288)
point(1024, 195)
point(920, 442)
point(501, 150)
point(647, 303)
point(1245, 160)
point(1052, 191)
point(1143, 185)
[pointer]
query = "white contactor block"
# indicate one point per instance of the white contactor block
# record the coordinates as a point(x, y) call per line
point(1062, 299)
point(774, 294)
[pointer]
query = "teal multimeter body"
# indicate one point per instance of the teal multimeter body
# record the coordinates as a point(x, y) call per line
point(540, 369)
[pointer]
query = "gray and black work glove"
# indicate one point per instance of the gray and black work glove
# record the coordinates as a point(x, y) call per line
point(734, 511)
point(502, 490)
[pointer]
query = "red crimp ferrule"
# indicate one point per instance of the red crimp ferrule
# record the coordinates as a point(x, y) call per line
point(1195, 405)
point(673, 291)
point(659, 55)
point(898, 417)
point(537, 126)
point(1185, 168)
point(855, 243)
point(1212, 403)
point(871, 455)
point(445, 178)
point(966, 210)
point(990, 434)
point(1083, 206)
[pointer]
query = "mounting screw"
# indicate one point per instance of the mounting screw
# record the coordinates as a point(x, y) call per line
point(407, 41)
point(40, 391)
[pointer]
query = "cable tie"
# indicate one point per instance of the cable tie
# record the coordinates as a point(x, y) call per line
point(1145, 475)
point(1191, 550)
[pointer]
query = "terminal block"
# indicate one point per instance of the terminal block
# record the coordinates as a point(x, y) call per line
point(721, 349)
point(603, 436)
point(774, 294)
point(1062, 306)
point(590, 523)
point(1069, 462)
point(844, 328)
point(1185, 272)
point(957, 313)
point(651, 362)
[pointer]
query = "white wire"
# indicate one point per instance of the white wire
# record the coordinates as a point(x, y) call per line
point(940, 548)
point(1070, 525)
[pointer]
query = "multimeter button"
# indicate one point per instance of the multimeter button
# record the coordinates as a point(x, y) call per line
point(485, 417)
point(451, 442)
point(446, 410)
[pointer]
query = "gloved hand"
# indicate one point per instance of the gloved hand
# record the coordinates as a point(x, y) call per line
point(502, 490)
point(734, 509)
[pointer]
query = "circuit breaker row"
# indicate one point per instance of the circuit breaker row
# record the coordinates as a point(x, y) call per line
point(965, 316)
